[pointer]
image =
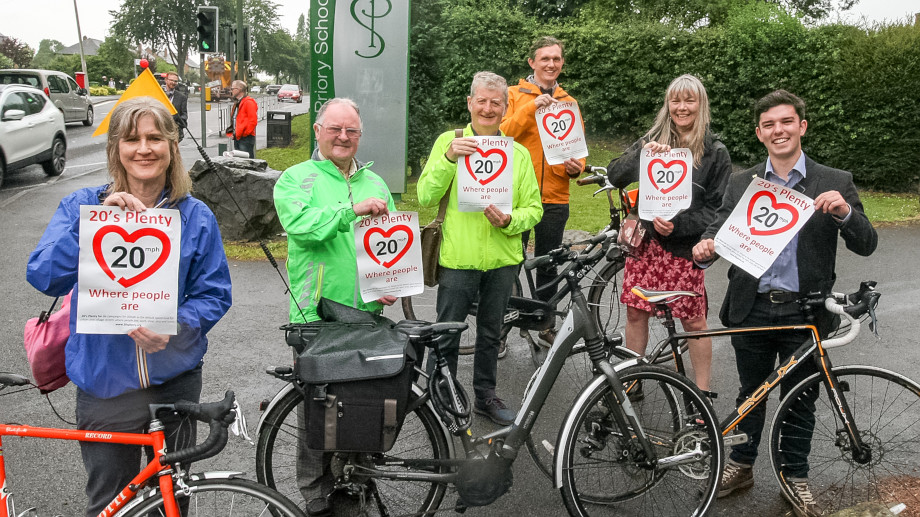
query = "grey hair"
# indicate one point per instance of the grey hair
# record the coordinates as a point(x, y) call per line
point(489, 81)
point(241, 85)
point(321, 114)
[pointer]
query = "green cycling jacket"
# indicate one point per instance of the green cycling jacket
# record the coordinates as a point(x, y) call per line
point(314, 203)
point(470, 241)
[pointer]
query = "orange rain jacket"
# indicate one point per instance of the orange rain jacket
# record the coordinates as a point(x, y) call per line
point(520, 123)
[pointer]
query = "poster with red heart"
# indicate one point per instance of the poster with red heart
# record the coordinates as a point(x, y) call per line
point(128, 270)
point(561, 132)
point(389, 252)
point(486, 177)
point(665, 183)
point(763, 222)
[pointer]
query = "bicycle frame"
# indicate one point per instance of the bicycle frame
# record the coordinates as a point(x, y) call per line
point(156, 439)
point(811, 348)
point(507, 441)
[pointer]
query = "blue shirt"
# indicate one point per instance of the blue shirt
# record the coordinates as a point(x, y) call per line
point(784, 273)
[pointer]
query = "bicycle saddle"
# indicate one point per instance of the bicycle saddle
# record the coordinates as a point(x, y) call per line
point(661, 296)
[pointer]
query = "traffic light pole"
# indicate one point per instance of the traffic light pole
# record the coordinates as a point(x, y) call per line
point(204, 84)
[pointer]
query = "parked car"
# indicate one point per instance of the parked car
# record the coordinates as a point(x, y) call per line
point(72, 100)
point(272, 89)
point(290, 92)
point(31, 131)
point(256, 89)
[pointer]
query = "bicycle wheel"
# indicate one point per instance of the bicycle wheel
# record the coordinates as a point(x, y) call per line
point(604, 471)
point(467, 337)
point(421, 437)
point(610, 314)
point(214, 497)
point(885, 407)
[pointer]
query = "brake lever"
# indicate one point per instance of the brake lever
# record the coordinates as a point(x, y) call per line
point(873, 321)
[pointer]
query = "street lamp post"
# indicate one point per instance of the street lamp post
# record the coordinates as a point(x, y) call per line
point(82, 56)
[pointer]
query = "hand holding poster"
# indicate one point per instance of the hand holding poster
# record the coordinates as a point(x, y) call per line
point(763, 222)
point(486, 177)
point(128, 270)
point(665, 183)
point(389, 253)
point(561, 132)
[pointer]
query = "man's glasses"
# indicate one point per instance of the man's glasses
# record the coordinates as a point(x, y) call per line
point(352, 132)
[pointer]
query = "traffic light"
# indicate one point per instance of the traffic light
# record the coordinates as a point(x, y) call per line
point(207, 29)
point(246, 44)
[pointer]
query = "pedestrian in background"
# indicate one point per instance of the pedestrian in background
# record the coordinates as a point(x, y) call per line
point(179, 101)
point(665, 261)
point(119, 375)
point(243, 119)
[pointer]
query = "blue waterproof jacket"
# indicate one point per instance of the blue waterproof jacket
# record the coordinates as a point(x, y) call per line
point(107, 365)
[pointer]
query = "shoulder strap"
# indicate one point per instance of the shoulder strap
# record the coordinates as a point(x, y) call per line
point(442, 206)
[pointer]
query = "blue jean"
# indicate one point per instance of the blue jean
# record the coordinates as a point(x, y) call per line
point(458, 289)
point(756, 358)
point(547, 236)
point(110, 467)
point(247, 143)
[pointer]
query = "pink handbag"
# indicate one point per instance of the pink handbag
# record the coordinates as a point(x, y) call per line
point(45, 338)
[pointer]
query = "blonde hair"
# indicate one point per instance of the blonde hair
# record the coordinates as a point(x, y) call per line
point(123, 123)
point(665, 132)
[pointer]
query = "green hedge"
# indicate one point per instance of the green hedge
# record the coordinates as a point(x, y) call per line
point(861, 84)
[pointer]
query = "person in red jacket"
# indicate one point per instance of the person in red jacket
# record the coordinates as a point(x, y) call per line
point(244, 117)
point(546, 57)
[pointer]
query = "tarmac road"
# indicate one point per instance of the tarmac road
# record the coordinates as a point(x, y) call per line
point(49, 476)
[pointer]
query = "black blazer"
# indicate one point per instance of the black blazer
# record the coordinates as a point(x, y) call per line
point(817, 245)
point(180, 102)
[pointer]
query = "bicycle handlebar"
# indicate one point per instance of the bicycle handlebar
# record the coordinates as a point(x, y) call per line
point(218, 416)
point(861, 302)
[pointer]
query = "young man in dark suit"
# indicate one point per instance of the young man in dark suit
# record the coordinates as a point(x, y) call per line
point(179, 101)
point(806, 265)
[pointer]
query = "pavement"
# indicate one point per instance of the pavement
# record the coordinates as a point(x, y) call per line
point(49, 476)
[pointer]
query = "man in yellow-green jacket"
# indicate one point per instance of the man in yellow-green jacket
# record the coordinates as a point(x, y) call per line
point(481, 251)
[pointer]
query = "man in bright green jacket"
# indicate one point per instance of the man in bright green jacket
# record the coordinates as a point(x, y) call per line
point(481, 251)
point(318, 202)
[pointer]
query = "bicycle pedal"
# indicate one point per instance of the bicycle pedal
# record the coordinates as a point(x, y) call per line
point(735, 439)
point(511, 316)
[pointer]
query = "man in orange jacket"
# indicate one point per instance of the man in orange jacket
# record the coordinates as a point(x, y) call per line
point(244, 116)
point(546, 58)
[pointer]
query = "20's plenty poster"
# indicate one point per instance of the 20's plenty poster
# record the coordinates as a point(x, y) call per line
point(486, 177)
point(763, 222)
point(665, 183)
point(561, 132)
point(389, 253)
point(128, 270)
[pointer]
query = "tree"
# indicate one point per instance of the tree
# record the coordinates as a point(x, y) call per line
point(113, 60)
point(46, 51)
point(19, 53)
point(5, 62)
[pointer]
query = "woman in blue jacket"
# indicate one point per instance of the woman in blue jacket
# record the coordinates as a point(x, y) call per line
point(118, 375)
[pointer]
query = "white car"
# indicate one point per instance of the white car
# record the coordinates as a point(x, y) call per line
point(31, 131)
point(256, 89)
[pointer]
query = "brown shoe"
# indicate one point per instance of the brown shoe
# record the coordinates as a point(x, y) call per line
point(803, 503)
point(734, 476)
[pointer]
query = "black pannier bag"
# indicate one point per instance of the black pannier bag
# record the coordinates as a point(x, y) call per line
point(358, 370)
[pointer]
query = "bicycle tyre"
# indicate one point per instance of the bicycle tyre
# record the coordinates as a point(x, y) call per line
point(420, 437)
point(610, 314)
point(601, 468)
point(226, 496)
point(885, 407)
point(468, 337)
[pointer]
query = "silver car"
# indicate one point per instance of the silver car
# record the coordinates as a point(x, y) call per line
point(31, 131)
point(72, 100)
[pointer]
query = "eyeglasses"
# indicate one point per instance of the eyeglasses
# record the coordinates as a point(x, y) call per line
point(237, 89)
point(351, 132)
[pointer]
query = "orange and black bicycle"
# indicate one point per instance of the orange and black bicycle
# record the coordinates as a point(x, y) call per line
point(866, 420)
point(163, 487)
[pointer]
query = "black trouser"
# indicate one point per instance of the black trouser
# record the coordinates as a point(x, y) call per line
point(110, 467)
point(458, 289)
point(756, 358)
point(547, 236)
point(247, 144)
